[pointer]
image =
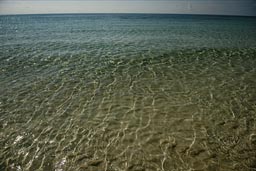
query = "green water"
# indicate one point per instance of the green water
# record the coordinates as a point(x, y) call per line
point(127, 93)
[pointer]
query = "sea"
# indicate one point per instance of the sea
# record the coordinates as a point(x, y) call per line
point(127, 92)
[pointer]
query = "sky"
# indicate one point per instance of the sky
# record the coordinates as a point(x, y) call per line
point(216, 7)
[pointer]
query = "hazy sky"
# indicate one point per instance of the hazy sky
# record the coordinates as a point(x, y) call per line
point(226, 7)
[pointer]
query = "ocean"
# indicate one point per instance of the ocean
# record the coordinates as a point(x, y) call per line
point(127, 92)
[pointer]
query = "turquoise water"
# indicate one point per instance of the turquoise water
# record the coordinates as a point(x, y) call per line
point(126, 92)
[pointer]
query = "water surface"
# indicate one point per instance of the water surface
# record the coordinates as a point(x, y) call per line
point(119, 92)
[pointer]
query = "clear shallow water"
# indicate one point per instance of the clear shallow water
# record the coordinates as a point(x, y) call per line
point(127, 92)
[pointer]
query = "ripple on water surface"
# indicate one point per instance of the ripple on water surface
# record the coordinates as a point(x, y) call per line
point(190, 109)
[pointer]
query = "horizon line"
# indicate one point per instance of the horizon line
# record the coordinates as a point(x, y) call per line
point(145, 13)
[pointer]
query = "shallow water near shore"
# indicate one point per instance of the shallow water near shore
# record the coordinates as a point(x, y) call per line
point(127, 92)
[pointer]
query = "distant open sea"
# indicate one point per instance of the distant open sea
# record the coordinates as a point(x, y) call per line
point(127, 92)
